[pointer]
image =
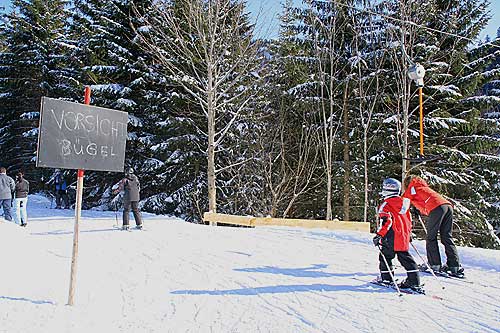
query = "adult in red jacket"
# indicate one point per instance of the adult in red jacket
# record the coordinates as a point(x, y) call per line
point(393, 235)
point(439, 214)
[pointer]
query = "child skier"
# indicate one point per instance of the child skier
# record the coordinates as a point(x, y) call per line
point(393, 236)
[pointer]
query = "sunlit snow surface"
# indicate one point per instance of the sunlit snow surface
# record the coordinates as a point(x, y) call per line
point(182, 277)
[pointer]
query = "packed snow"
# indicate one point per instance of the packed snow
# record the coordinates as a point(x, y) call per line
point(182, 277)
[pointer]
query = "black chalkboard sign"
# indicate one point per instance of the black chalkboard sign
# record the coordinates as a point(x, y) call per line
point(79, 136)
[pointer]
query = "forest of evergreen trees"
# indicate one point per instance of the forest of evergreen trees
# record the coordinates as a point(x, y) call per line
point(306, 125)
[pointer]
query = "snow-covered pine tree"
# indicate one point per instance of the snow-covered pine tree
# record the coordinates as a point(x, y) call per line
point(3, 45)
point(34, 63)
point(490, 54)
point(123, 77)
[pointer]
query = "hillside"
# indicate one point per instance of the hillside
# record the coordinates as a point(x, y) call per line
point(182, 277)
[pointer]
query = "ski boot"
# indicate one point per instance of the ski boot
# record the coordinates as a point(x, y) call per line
point(414, 287)
point(435, 268)
point(386, 282)
point(457, 271)
point(125, 227)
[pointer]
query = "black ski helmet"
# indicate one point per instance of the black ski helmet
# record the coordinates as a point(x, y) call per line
point(129, 171)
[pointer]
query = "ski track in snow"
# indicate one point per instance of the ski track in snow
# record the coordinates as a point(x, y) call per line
point(182, 277)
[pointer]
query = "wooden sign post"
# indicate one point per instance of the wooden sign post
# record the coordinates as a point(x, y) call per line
point(78, 214)
point(82, 137)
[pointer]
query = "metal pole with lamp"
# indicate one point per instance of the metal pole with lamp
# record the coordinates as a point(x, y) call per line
point(417, 72)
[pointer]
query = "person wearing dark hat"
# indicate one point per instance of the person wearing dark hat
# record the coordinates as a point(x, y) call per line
point(131, 188)
point(7, 187)
point(21, 201)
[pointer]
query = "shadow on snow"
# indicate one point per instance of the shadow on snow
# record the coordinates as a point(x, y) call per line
point(283, 289)
point(22, 299)
point(311, 271)
point(66, 232)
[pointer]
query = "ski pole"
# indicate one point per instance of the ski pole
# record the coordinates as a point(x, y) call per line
point(116, 213)
point(51, 200)
point(389, 270)
point(427, 264)
point(422, 223)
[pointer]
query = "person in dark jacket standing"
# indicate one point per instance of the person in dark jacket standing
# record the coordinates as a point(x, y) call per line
point(394, 236)
point(21, 202)
point(7, 187)
point(131, 187)
point(439, 212)
point(61, 188)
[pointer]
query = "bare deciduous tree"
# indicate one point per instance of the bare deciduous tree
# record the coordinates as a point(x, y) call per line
point(404, 36)
point(207, 48)
point(290, 177)
point(369, 65)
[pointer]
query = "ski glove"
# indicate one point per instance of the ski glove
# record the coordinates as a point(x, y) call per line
point(376, 240)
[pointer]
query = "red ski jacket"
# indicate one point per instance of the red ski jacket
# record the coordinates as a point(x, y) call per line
point(423, 197)
point(393, 215)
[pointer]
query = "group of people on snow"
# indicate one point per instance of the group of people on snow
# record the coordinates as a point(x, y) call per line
point(393, 236)
point(14, 194)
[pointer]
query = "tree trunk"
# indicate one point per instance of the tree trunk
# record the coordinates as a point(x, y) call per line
point(347, 165)
point(365, 162)
point(212, 189)
point(406, 111)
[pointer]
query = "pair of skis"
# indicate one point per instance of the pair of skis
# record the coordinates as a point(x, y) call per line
point(425, 270)
point(119, 227)
point(419, 291)
point(402, 291)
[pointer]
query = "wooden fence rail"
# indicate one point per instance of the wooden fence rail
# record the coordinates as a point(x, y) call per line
point(269, 221)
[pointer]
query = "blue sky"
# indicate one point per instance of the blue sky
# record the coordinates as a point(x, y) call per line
point(491, 30)
point(265, 12)
point(4, 3)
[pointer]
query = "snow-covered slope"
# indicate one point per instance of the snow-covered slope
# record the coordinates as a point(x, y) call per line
point(181, 277)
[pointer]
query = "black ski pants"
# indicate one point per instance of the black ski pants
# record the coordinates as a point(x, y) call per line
point(134, 205)
point(404, 257)
point(441, 220)
point(62, 194)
